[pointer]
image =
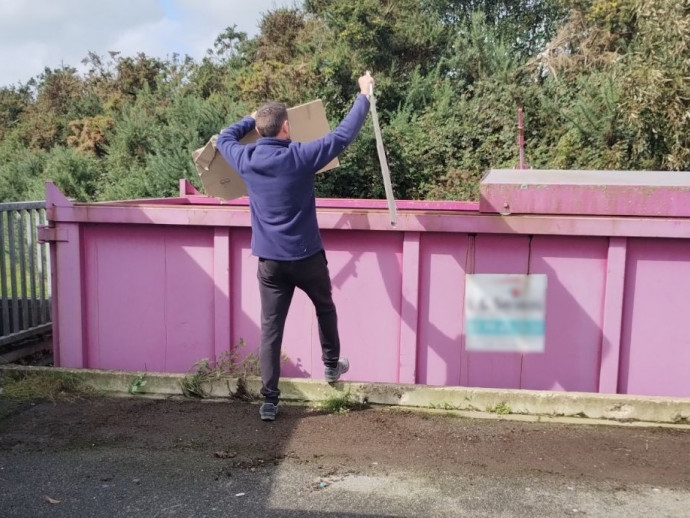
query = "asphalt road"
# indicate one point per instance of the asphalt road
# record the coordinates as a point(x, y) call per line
point(135, 458)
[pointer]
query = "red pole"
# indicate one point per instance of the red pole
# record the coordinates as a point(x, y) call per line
point(521, 141)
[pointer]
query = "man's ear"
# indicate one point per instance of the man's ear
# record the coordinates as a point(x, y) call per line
point(257, 131)
point(286, 127)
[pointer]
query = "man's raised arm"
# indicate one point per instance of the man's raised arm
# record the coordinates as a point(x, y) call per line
point(228, 142)
point(318, 153)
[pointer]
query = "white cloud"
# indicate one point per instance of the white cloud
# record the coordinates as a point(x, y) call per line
point(22, 61)
point(49, 33)
point(151, 38)
point(205, 20)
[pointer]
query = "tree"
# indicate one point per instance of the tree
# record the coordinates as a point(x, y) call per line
point(603, 84)
point(13, 102)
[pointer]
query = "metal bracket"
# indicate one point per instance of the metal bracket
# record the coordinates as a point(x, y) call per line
point(52, 234)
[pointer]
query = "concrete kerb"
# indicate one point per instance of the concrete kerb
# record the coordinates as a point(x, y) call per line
point(479, 402)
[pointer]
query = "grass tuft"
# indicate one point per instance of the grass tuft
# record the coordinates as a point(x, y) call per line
point(501, 409)
point(50, 385)
point(341, 404)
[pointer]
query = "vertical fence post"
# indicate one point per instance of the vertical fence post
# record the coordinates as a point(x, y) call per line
point(13, 274)
point(4, 295)
point(31, 234)
point(68, 297)
point(66, 289)
point(46, 282)
point(24, 300)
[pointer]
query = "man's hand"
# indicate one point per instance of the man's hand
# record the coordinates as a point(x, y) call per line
point(366, 83)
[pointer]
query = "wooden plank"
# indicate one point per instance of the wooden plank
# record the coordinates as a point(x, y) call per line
point(383, 161)
point(25, 334)
point(612, 325)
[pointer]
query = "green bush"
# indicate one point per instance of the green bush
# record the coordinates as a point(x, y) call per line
point(603, 86)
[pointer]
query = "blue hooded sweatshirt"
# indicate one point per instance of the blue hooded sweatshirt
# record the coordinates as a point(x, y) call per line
point(280, 180)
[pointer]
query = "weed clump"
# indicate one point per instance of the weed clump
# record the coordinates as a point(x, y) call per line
point(230, 364)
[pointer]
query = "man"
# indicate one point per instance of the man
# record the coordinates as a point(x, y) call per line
point(279, 175)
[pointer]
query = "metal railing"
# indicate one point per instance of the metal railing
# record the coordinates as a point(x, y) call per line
point(24, 273)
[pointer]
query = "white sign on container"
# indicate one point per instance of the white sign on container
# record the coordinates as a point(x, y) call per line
point(505, 313)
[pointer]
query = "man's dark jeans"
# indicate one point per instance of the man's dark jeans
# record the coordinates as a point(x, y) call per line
point(277, 283)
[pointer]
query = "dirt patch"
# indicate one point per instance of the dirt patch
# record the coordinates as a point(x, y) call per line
point(232, 434)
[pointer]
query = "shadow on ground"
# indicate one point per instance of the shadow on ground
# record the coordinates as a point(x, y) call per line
point(121, 457)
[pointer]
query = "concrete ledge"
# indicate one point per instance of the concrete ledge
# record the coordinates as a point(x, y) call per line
point(467, 401)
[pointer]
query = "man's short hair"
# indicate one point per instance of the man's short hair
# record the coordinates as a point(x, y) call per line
point(270, 117)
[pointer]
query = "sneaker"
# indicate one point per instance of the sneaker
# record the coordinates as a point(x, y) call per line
point(334, 373)
point(268, 412)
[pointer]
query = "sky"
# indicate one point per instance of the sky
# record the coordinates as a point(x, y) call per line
point(35, 34)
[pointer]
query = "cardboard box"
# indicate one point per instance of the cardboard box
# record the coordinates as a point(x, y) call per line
point(307, 122)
